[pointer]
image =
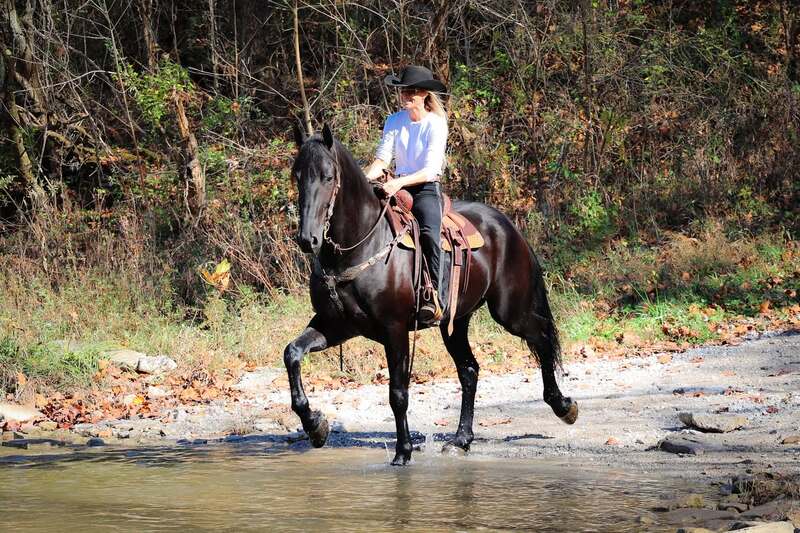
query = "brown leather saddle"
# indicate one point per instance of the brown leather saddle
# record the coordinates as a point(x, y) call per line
point(459, 236)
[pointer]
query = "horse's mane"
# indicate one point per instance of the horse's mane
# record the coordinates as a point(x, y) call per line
point(347, 162)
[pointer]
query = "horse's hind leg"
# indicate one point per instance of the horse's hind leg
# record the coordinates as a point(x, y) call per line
point(315, 337)
point(564, 407)
point(525, 312)
point(458, 346)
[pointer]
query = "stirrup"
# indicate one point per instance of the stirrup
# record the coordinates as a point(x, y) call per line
point(431, 311)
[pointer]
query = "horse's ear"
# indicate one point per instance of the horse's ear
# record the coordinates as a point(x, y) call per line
point(299, 134)
point(327, 136)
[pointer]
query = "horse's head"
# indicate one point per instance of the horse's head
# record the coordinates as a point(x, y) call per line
point(316, 172)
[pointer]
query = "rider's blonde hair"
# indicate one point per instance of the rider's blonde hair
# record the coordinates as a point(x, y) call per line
point(434, 104)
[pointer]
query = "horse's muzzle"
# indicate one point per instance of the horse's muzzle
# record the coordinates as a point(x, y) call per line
point(309, 244)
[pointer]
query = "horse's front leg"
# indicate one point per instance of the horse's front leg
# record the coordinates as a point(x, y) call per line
point(397, 359)
point(315, 337)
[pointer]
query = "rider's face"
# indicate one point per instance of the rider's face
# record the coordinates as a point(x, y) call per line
point(413, 98)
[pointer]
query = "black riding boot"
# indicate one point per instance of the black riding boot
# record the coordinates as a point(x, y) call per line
point(428, 212)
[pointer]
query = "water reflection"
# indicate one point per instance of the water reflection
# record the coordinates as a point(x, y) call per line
point(263, 486)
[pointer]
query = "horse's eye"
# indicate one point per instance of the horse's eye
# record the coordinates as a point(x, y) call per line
point(328, 178)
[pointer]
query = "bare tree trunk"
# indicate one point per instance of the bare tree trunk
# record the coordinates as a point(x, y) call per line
point(791, 29)
point(299, 67)
point(28, 80)
point(150, 42)
point(212, 41)
point(191, 158)
point(589, 160)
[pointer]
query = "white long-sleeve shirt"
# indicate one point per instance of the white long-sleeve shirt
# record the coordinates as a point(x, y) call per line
point(414, 145)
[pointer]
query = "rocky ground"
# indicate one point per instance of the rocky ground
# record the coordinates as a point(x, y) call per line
point(708, 413)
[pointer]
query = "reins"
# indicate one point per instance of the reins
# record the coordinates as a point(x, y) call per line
point(337, 248)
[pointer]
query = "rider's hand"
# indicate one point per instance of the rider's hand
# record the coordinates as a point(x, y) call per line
point(391, 187)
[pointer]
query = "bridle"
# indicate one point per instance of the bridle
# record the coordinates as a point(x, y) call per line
point(349, 274)
point(326, 223)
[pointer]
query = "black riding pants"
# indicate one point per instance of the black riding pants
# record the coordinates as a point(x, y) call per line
point(428, 212)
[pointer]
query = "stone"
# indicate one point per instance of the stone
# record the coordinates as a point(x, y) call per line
point(258, 380)
point(25, 444)
point(48, 425)
point(774, 510)
point(732, 502)
point(95, 442)
point(694, 516)
point(18, 413)
point(791, 439)
point(713, 423)
point(124, 358)
point(694, 530)
point(155, 365)
point(769, 527)
point(691, 501)
point(645, 520)
point(105, 433)
point(128, 399)
point(683, 445)
point(155, 393)
point(794, 516)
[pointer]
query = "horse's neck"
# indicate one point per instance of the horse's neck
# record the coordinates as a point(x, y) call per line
point(357, 208)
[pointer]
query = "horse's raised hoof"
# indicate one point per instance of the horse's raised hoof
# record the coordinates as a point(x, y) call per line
point(455, 448)
point(401, 459)
point(572, 413)
point(318, 429)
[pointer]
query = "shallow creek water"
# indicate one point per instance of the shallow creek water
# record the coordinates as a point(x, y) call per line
point(270, 488)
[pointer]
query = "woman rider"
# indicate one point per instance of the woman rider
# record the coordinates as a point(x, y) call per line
point(416, 137)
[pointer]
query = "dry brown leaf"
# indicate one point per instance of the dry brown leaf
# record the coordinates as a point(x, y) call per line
point(495, 421)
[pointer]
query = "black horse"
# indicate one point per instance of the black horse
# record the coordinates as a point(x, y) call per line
point(362, 285)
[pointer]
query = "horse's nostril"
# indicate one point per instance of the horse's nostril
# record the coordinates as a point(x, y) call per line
point(314, 240)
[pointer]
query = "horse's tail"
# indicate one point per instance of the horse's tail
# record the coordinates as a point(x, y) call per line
point(543, 314)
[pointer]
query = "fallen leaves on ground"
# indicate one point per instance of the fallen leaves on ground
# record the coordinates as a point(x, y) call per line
point(495, 421)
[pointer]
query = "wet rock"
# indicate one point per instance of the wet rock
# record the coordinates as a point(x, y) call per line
point(694, 530)
point(259, 380)
point(155, 364)
point(731, 502)
point(95, 442)
point(124, 358)
point(26, 444)
point(769, 527)
point(791, 439)
point(685, 445)
point(18, 413)
point(774, 510)
point(696, 516)
point(690, 501)
point(713, 423)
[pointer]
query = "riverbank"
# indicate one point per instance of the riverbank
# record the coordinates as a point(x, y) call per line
point(627, 408)
point(629, 418)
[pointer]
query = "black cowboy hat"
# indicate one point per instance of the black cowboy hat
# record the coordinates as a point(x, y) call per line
point(415, 77)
